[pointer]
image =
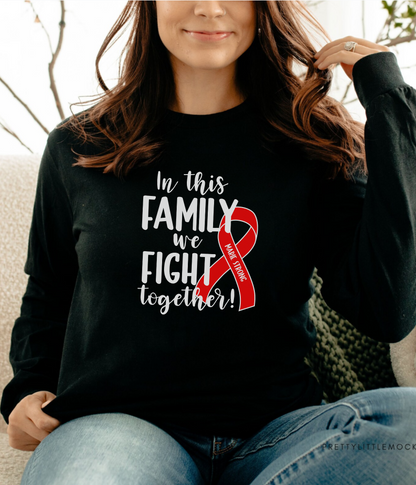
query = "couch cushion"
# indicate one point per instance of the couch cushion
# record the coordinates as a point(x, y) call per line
point(12, 461)
point(18, 176)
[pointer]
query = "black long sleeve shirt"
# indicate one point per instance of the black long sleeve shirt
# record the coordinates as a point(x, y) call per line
point(180, 294)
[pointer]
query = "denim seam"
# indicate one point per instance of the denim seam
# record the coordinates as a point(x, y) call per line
point(299, 457)
point(231, 445)
point(280, 438)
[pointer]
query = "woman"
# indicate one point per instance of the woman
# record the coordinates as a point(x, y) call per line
point(163, 331)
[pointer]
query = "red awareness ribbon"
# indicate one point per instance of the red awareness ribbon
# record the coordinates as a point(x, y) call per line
point(233, 255)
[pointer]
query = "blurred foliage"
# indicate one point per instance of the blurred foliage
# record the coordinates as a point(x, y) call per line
point(400, 23)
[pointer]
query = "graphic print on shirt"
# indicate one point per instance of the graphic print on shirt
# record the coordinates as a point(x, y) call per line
point(205, 291)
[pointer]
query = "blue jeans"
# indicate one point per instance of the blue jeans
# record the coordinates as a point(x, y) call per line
point(369, 437)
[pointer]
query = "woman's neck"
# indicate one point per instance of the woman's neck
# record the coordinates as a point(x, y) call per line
point(204, 91)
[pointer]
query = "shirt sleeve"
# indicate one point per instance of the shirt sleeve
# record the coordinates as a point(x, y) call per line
point(365, 248)
point(51, 264)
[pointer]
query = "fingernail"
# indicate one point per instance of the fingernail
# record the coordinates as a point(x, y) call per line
point(45, 404)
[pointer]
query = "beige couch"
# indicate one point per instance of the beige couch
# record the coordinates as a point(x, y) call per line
point(360, 363)
point(17, 190)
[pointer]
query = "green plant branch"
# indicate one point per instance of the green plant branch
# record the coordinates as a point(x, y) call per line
point(395, 13)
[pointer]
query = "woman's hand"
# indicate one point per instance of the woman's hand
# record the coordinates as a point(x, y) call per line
point(334, 53)
point(28, 424)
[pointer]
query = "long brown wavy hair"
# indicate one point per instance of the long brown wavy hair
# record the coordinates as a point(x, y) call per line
point(295, 107)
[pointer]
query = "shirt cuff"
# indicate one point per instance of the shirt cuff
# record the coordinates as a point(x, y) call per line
point(376, 74)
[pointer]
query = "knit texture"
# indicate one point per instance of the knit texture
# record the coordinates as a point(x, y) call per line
point(344, 360)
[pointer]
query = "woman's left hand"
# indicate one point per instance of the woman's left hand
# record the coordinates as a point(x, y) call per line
point(335, 53)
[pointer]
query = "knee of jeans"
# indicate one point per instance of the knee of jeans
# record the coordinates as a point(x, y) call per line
point(112, 429)
point(400, 403)
point(116, 445)
point(103, 420)
point(387, 405)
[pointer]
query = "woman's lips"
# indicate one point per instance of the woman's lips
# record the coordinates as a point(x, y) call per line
point(208, 36)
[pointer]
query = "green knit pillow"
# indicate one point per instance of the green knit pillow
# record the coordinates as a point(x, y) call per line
point(344, 360)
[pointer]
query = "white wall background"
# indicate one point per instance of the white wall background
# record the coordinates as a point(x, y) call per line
point(25, 54)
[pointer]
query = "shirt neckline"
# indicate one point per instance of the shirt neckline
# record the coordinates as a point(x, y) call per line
point(186, 120)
